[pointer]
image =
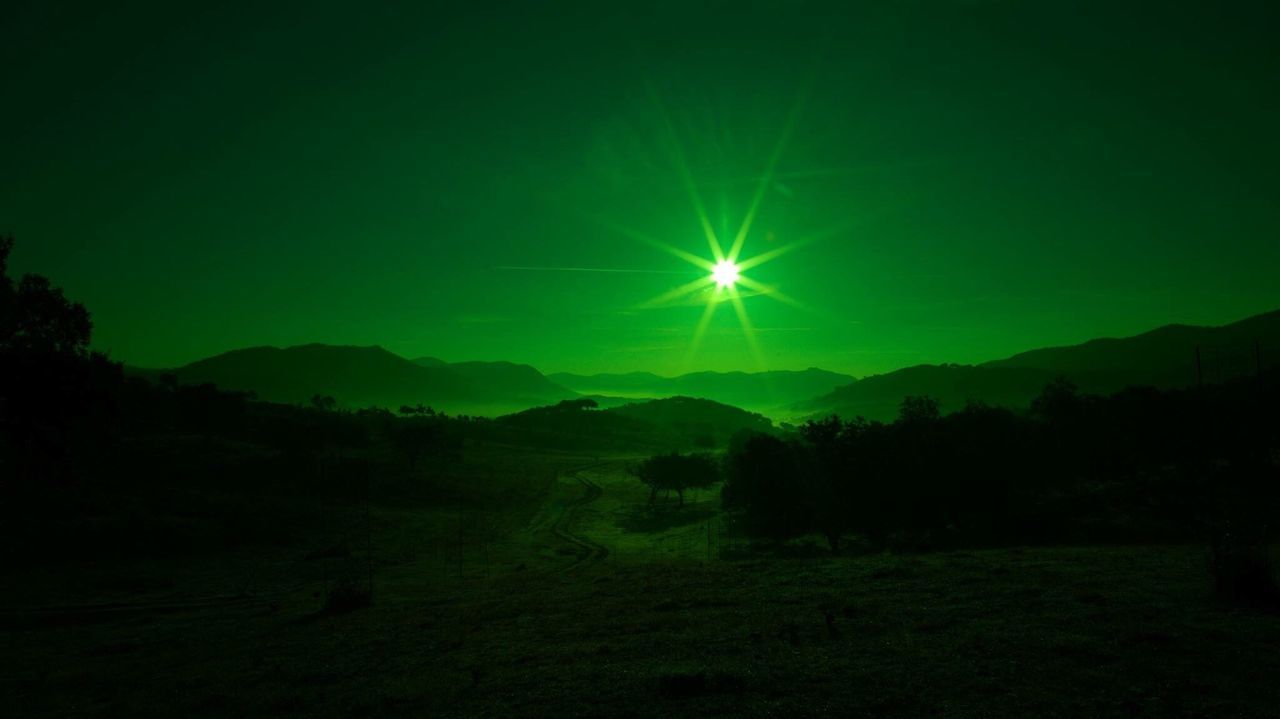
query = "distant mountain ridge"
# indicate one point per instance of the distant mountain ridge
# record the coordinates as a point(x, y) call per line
point(366, 376)
point(743, 389)
point(684, 422)
point(695, 416)
point(1164, 357)
point(505, 379)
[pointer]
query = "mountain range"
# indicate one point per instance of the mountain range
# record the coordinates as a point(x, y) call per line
point(761, 391)
point(684, 422)
point(1167, 357)
point(1170, 356)
point(367, 376)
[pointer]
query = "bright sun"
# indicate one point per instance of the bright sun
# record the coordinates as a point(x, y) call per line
point(725, 273)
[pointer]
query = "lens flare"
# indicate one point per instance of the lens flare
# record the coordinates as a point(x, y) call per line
point(725, 273)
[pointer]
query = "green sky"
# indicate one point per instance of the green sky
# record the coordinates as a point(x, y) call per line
point(984, 177)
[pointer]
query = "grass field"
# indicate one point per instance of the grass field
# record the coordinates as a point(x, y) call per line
point(577, 598)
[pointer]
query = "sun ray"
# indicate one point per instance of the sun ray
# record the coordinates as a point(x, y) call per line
point(766, 180)
point(773, 254)
point(654, 242)
point(686, 256)
point(774, 292)
point(700, 330)
point(677, 293)
point(747, 330)
point(686, 176)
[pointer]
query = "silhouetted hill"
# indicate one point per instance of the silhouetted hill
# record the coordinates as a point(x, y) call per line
point(577, 424)
point(693, 417)
point(365, 376)
point(507, 380)
point(878, 396)
point(1164, 357)
point(743, 389)
point(675, 422)
point(613, 384)
point(353, 375)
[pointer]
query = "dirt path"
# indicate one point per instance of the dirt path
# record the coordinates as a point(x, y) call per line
point(588, 551)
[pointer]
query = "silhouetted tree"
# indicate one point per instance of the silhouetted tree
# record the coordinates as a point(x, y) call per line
point(1059, 402)
point(54, 391)
point(323, 402)
point(764, 485)
point(918, 410)
point(676, 473)
point(36, 318)
point(577, 404)
point(418, 410)
point(832, 484)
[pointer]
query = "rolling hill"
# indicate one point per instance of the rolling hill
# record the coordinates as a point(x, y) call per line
point(365, 376)
point(1163, 357)
point(755, 390)
point(878, 396)
point(669, 423)
point(692, 417)
point(508, 380)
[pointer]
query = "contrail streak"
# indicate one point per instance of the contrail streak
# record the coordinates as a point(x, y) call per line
point(525, 268)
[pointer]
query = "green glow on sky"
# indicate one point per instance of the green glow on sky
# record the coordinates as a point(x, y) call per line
point(897, 182)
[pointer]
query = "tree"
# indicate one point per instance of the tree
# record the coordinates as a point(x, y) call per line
point(36, 318)
point(918, 410)
point(1059, 402)
point(323, 402)
point(829, 490)
point(574, 405)
point(676, 473)
point(52, 387)
point(764, 484)
point(418, 410)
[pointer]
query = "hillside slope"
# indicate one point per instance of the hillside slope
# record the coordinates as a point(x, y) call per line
point(756, 390)
point(352, 375)
point(1163, 357)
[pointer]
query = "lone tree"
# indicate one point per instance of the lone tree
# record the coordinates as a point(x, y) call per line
point(676, 472)
point(52, 386)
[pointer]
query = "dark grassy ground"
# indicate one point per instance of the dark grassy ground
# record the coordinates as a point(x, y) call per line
point(625, 617)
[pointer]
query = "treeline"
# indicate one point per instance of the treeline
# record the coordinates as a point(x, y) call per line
point(64, 407)
point(1140, 465)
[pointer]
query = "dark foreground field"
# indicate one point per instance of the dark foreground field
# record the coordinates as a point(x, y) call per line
point(582, 605)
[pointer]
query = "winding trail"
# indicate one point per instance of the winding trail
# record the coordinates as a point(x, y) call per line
point(589, 551)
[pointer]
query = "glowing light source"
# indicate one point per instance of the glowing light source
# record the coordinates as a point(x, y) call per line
point(725, 273)
point(725, 268)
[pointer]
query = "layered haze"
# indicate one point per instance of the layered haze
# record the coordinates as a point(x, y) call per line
point(1167, 357)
